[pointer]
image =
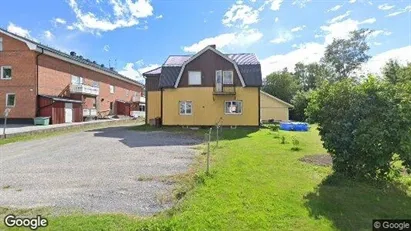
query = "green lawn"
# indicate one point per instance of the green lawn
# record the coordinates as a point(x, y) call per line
point(257, 183)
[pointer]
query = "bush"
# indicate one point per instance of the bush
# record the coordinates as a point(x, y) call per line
point(296, 144)
point(363, 126)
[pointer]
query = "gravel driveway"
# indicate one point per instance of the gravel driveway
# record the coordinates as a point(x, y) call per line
point(94, 171)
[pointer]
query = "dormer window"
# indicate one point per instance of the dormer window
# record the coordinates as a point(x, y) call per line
point(194, 78)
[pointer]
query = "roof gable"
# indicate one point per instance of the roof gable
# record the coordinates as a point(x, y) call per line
point(200, 53)
point(277, 99)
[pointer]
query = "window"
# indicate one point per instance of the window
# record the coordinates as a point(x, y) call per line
point(5, 72)
point(233, 107)
point(76, 79)
point(228, 77)
point(194, 78)
point(112, 89)
point(10, 100)
point(185, 107)
point(1, 44)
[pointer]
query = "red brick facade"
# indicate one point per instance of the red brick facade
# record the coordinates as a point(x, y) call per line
point(54, 78)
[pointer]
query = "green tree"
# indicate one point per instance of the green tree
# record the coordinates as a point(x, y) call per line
point(363, 125)
point(347, 55)
point(394, 73)
point(300, 103)
point(312, 75)
point(281, 84)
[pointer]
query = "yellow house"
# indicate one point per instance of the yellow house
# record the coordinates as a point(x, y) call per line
point(273, 108)
point(205, 89)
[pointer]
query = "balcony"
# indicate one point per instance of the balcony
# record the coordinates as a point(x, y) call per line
point(225, 90)
point(138, 99)
point(84, 89)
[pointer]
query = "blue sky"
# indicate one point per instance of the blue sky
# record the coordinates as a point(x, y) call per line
point(137, 35)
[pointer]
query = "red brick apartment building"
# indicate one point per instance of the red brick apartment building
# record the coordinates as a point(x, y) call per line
point(37, 80)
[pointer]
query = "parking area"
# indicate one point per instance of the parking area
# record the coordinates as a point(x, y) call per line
point(94, 171)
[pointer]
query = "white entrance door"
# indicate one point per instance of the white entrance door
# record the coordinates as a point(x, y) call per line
point(218, 81)
point(68, 112)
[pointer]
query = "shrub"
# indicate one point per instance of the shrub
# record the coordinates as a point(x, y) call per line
point(300, 103)
point(282, 139)
point(296, 144)
point(363, 126)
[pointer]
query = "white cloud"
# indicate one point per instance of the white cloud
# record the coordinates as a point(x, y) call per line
point(352, 1)
point(298, 28)
point(276, 19)
point(19, 31)
point(301, 3)
point(241, 15)
point(70, 28)
point(132, 72)
point(159, 16)
point(106, 48)
point(276, 4)
point(400, 11)
point(306, 53)
point(126, 14)
point(402, 55)
point(48, 35)
point(341, 30)
point(377, 43)
point(59, 21)
point(335, 8)
point(340, 17)
point(229, 40)
point(283, 37)
point(369, 21)
point(380, 32)
point(385, 6)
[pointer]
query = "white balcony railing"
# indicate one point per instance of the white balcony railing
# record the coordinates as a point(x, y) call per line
point(84, 89)
point(140, 99)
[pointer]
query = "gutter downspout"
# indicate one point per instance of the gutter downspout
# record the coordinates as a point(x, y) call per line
point(37, 80)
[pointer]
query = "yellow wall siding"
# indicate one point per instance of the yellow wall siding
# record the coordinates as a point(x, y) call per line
point(208, 111)
point(272, 109)
point(153, 104)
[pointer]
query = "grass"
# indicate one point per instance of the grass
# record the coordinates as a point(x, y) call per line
point(46, 134)
point(257, 183)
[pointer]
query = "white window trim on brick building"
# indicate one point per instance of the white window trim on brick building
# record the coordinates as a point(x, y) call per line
point(2, 70)
point(7, 100)
point(112, 89)
point(1, 44)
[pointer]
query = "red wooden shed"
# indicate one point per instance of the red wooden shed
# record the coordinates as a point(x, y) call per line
point(60, 110)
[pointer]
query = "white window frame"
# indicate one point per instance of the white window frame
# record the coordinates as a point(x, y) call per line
point(112, 89)
point(7, 99)
point(1, 44)
point(232, 77)
point(233, 113)
point(189, 83)
point(185, 108)
point(80, 80)
point(2, 69)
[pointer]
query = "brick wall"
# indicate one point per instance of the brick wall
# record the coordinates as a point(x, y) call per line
point(23, 83)
point(55, 78)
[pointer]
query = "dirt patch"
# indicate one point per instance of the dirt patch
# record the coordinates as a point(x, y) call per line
point(321, 159)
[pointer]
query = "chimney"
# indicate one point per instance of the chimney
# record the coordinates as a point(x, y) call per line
point(213, 46)
point(73, 53)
